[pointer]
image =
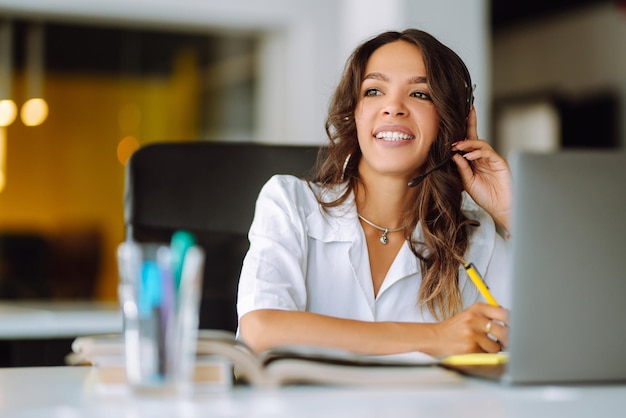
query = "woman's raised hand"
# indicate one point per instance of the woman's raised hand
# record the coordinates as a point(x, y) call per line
point(486, 175)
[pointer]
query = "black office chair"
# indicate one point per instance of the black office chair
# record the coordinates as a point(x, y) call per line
point(210, 189)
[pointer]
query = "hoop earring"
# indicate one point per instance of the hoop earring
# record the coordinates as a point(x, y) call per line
point(345, 165)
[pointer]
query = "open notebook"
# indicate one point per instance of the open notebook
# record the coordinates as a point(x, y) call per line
point(568, 310)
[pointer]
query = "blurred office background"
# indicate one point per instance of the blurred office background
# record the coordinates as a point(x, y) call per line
point(114, 75)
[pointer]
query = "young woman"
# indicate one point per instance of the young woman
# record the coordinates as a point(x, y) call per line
point(368, 256)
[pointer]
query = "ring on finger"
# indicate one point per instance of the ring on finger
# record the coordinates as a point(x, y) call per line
point(488, 327)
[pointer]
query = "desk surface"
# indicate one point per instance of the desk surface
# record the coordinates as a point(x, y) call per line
point(26, 319)
point(66, 392)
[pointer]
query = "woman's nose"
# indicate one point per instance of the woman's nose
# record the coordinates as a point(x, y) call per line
point(395, 106)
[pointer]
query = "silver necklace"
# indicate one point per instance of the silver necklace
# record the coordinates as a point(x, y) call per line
point(383, 238)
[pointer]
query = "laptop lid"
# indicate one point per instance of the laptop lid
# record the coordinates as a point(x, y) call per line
point(568, 313)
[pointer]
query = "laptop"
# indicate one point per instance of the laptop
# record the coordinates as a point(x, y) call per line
point(568, 313)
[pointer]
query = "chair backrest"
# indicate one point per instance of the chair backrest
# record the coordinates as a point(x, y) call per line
point(210, 189)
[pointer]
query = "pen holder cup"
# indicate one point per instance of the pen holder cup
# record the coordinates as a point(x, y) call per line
point(159, 292)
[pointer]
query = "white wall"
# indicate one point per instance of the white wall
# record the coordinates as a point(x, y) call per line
point(304, 43)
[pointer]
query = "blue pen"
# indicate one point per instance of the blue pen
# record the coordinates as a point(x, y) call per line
point(149, 306)
point(150, 295)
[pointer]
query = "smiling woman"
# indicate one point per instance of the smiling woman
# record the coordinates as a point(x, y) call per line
point(319, 271)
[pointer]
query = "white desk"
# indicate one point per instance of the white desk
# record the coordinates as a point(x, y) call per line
point(37, 320)
point(66, 392)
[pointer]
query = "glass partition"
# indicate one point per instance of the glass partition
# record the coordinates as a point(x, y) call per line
point(108, 91)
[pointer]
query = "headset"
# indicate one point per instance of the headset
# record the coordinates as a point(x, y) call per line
point(469, 102)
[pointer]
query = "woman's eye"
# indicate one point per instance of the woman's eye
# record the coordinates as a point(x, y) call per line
point(421, 95)
point(371, 92)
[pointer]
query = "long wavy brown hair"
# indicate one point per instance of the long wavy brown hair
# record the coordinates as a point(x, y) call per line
point(437, 199)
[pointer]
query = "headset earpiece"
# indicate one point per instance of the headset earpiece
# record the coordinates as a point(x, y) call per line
point(470, 96)
point(469, 91)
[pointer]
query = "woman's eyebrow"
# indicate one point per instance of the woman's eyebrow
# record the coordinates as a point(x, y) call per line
point(419, 80)
point(376, 76)
point(383, 77)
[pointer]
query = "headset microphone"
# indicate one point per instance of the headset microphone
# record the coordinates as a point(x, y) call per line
point(417, 180)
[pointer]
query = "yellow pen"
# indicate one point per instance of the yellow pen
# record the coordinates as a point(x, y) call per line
point(480, 284)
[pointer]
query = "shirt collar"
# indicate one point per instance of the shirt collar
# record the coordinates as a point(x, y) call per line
point(337, 223)
point(340, 223)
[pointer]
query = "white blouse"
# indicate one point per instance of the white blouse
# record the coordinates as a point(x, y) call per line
point(302, 258)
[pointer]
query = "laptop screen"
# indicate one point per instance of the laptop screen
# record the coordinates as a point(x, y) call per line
point(568, 313)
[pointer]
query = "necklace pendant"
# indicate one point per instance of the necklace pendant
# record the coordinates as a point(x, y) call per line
point(383, 238)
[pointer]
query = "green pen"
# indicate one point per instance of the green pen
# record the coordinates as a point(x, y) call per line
point(181, 241)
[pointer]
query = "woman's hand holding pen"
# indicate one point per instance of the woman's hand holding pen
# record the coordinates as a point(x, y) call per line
point(481, 328)
point(486, 175)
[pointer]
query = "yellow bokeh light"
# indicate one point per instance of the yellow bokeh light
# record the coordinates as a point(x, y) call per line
point(8, 112)
point(126, 147)
point(34, 112)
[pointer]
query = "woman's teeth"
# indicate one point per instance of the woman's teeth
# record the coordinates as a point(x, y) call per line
point(394, 136)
